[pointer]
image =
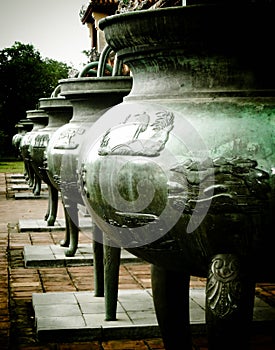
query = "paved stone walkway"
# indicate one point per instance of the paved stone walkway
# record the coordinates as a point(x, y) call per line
point(41, 300)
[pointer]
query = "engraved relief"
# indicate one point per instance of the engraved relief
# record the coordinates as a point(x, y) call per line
point(223, 285)
point(146, 137)
point(67, 139)
point(41, 141)
point(239, 185)
point(250, 149)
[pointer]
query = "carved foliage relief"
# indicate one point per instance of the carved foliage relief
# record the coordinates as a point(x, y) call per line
point(223, 286)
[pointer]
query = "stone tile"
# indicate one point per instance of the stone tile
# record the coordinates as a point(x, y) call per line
point(96, 307)
point(264, 313)
point(18, 180)
point(15, 176)
point(98, 320)
point(136, 305)
point(59, 323)
point(63, 310)
point(92, 308)
point(198, 296)
point(41, 225)
point(123, 320)
point(147, 317)
point(54, 255)
point(197, 313)
point(84, 249)
point(88, 297)
point(138, 294)
point(30, 195)
point(53, 298)
point(19, 187)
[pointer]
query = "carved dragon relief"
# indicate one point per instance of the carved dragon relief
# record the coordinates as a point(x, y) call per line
point(223, 285)
point(239, 185)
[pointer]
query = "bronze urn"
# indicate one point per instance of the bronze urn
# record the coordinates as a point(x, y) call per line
point(181, 173)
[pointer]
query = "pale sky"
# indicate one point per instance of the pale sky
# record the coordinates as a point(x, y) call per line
point(53, 27)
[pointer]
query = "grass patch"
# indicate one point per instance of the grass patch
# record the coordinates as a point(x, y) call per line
point(12, 167)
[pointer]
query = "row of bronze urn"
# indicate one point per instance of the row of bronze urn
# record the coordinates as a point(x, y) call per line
point(51, 153)
point(176, 164)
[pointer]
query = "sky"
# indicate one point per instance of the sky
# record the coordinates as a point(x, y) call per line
point(53, 27)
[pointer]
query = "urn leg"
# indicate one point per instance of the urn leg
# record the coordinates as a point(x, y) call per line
point(106, 272)
point(36, 185)
point(171, 300)
point(229, 303)
point(66, 241)
point(26, 174)
point(29, 173)
point(111, 278)
point(72, 227)
point(52, 205)
point(48, 208)
point(98, 262)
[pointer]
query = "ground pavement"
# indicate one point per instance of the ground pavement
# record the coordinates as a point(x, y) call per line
point(39, 288)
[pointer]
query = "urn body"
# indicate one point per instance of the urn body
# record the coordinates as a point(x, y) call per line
point(185, 168)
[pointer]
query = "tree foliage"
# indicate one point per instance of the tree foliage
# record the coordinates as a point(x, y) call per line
point(24, 78)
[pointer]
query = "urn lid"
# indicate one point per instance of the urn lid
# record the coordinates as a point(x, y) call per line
point(35, 113)
point(54, 103)
point(222, 40)
point(196, 28)
point(85, 86)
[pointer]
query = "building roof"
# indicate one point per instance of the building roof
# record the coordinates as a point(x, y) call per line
point(110, 7)
point(104, 6)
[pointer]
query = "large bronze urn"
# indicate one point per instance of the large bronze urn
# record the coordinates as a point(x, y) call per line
point(59, 112)
point(90, 98)
point(22, 127)
point(39, 118)
point(182, 172)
